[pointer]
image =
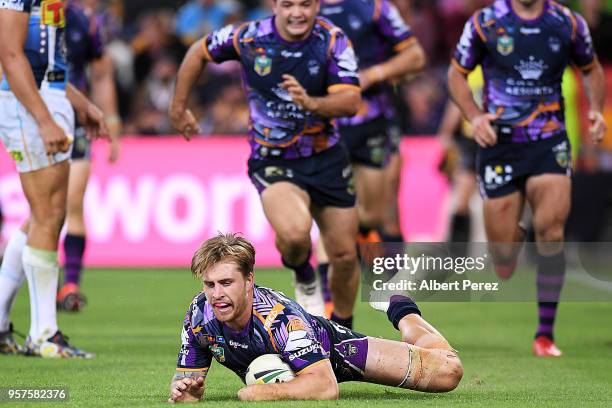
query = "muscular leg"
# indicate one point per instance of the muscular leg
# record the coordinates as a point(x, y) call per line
point(325, 273)
point(11, 274)
point(422, 361)
point(287, 209)
point(74, 244)
point(391, 230)
point(549, 196)
point(501, 216)
point(338, 227)
point(369, 187)
point(45, 190)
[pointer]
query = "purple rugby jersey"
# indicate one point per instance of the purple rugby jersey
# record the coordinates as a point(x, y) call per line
point(323, 62)
point(377, 31)
point(278, 325)
point(523, 63)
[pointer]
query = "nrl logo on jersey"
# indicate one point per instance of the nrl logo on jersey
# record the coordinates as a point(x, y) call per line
point(531, 69)
point(505, 45)
point(263, 65)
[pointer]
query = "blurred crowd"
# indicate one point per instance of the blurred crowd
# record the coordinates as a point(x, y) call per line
point(148, 38)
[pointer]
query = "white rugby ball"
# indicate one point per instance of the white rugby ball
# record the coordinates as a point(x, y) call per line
point(268, 368)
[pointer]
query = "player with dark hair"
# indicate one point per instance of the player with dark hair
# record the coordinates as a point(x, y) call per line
point(386, 50)
point(524, 47)
point(235, 321)
point(299, 72)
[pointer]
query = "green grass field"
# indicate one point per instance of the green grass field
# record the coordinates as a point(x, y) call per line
point(134, 317)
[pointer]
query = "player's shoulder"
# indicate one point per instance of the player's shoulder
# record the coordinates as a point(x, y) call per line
point(18, 5)
point(565, 16)
point(487, 16)
point(199, 312)
point(273, 307)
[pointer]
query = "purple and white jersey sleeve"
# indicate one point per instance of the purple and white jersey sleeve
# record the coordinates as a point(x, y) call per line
point(392, 26)
point(222, 45)
point(342, 68)
point(297, 342)
point(471, 48)
point(582, 51)
point(194, 353)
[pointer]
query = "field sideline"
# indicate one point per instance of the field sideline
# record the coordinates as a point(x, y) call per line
point(134, 317)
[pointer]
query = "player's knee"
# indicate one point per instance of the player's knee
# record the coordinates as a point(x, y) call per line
point(450, 374)
point(343, 259)
point(293, 242)
point(553, 233)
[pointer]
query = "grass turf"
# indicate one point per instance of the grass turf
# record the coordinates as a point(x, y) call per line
point(134, 317)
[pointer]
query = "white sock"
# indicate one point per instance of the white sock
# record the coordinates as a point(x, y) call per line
point(42, 271)
point(11, 276)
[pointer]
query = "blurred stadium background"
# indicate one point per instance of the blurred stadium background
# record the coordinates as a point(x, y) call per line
point(165, 196)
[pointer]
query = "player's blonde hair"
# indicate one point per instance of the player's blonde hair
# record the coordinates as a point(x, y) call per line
point(229, 247)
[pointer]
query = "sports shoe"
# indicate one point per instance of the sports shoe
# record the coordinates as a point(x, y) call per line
point(55, 346)
point(545, 347)
point(310, 297)
point(70, 298)
point(8, 345)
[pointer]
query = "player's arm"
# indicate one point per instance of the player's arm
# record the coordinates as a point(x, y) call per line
point(315, 382)
point(18, 72)
point(410, 60)
point(468, 54)
point(104, 94)
point(594, 87)
point(89, 114)
point(342, 100)
point(190, 70)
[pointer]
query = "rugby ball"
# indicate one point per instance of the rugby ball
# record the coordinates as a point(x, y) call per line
point(268, 368)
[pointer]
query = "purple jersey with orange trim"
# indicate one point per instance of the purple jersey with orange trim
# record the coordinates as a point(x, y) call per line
point(377, 31)
point(523, 63)
point(322, 63)
point(278, 325)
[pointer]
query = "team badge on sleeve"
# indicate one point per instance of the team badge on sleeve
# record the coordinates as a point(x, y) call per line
point(505, 45)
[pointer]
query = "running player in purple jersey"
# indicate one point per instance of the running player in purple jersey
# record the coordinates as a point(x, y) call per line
point(524, 46)
point(235, 321)
point(36, 123)
point(386, 49)
point(299, 72)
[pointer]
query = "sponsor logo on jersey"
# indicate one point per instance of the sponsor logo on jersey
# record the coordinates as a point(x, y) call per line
point(17, 5)
point(290, 54)
point(263, 63)
point(298, 339)
point(505, 44)
point(531, 69)
point(52, 13)
point(296, 324)
point(304, 351)
point(530, 30)
point(236, 344)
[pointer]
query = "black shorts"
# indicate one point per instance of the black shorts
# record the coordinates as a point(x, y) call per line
point(468, 150)
point(368, 144)
point(327, 177)
point(81, 148)
point(395, 136)
point(505, 167)
point(348, 350)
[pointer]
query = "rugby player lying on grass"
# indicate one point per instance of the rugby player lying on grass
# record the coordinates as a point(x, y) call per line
point(236, 321)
